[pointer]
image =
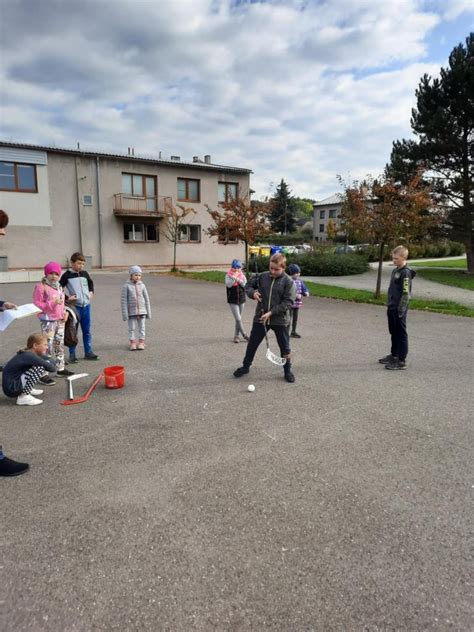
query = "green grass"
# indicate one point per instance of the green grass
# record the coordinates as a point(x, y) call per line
point(354, 296)
point(445, 263)
point(449, 277)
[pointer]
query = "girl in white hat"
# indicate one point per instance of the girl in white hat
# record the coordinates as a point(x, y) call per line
point(135, 307)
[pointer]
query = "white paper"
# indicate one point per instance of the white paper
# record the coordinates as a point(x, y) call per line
point(9, 315)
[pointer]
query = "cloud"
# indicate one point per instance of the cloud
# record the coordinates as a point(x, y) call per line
point(296, 89)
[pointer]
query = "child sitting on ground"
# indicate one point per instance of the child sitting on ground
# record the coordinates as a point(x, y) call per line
point(301, 290)
point(24, 370)
point(135, 307)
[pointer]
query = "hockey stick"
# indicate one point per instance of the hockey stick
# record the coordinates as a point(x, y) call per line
point(85, 397)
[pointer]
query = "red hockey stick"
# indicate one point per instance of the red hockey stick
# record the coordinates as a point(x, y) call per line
point(85, 397)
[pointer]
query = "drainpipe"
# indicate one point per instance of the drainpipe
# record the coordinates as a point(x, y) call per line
point(99, 212)
point(78, 207)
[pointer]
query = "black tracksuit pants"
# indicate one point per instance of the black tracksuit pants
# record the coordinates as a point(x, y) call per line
point(258, 334)
point(398, 331)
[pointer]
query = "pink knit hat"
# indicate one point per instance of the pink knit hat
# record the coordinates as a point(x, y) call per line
point(52, 266)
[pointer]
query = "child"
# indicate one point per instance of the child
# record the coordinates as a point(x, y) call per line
point(80, 290)
point(135, 307)
point(21, 373)
point(301, 290)
point(398, 297)
point(48, 295)
point(275, 293)
point(235, 282)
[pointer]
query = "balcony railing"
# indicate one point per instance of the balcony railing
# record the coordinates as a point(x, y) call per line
point(139, 206)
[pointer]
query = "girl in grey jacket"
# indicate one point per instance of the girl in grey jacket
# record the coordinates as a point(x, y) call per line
point(135, 307)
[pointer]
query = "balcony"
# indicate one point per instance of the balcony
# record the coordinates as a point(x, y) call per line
point(139, 206)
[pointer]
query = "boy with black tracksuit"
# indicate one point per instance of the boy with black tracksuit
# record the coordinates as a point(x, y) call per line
point(398, 297)
point(79, 290)
point(275, 293)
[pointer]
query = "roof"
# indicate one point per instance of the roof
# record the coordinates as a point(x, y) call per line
point(332, 199)
point(148, 159)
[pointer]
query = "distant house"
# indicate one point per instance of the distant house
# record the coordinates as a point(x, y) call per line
point(323, 211)
point(112, 207)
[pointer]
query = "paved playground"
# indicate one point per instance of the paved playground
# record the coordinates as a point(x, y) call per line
point(183, 502)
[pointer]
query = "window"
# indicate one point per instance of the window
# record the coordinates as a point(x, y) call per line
point(227, 191)
point(87, 200)
point(190, 232)
point(226, 237)
point(322, 214)
point(17, 177)
point(141, 232)
point(138, 185)
point(189, 190)
point(321, 228)
point(333, 213)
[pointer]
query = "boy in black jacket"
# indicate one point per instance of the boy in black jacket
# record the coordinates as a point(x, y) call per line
point(398, 297)
point(275, 293)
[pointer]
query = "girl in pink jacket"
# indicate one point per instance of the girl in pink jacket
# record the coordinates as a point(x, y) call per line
point(48, 295)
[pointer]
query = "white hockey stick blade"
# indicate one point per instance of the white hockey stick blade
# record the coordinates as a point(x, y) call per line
point(275, 359)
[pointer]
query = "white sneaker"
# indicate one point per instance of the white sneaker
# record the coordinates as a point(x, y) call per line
point(36, 391)
point(28, 400)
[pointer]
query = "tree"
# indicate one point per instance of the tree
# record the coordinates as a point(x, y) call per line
point(386, 212)
point(239, 220)
point(175, 221)
point(303, 207)
point(443, 121)
point(331, 230)
point(282, 210)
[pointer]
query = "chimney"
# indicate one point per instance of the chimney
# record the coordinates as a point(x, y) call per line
point(129, 151)
point(207, 159)
point(133, 151)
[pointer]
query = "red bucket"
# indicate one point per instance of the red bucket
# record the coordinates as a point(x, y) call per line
point(114, 376)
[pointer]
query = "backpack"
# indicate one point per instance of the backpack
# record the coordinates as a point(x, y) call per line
point(70, 328)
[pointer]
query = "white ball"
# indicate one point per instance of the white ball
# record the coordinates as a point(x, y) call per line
point(251, 388)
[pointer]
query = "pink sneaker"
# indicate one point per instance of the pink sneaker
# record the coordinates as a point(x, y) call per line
point(133, 345)
point(141, 345)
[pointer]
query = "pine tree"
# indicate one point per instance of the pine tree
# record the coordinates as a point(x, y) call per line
point(443, 121)
point(282, 210)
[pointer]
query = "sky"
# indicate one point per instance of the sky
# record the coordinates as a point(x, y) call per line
point(297, 89)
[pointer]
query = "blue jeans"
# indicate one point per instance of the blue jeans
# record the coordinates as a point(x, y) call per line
point(84, 314)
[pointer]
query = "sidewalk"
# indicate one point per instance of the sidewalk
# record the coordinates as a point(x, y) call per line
point(422, 288)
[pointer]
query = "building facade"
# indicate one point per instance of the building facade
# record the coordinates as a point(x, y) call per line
point(113, 208)
point(323, 211)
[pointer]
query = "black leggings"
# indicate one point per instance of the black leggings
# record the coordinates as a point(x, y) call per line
point(258, 334)
point(294, 319)
point(398, 331)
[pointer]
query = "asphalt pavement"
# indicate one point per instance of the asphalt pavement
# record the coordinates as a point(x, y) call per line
point(184, 502)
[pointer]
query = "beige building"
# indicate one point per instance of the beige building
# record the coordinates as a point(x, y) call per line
point(113, 208)
point(323, 211)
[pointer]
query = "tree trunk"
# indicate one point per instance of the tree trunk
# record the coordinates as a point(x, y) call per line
point(246, 256)
point(379, 271)
point(174, 255)
point(470, 256)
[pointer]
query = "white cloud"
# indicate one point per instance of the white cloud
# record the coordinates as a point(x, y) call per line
point(294, 88)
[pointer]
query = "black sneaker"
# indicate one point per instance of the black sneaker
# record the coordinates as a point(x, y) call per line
point(47, 381)
point(295, 335)
point(396, 366)
point(91, 356)
point(241, 371)
point(64, 373)
point(9, 467)
point(289, 376)
point(388, 359)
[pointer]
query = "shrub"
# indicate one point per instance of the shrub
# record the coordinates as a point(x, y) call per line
point(317, 264)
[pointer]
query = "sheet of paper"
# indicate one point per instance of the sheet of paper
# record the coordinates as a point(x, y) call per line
point(9, 315)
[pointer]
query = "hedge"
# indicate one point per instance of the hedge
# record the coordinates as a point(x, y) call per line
point(431, 250)
point(319, 264)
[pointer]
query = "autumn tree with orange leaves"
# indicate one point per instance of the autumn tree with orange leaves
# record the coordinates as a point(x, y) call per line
point(387, 213)
point(239, 220)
